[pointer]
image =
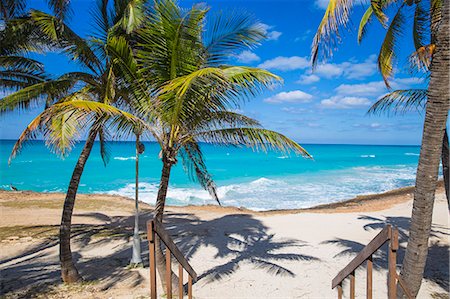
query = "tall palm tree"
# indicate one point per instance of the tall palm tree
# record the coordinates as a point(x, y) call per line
point(402, 101)
point(430, 17)
point(194, 91)
point(91, 92)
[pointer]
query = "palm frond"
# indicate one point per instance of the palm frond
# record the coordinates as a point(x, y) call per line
point(11, 8)
point(421, 58)
point(230, 33)
point(400, 101)
point(28, 134)
point(421, 26)
point(389, 47)
point(365, 20)
point(33, 94)
point(195, 166)
point(327, 36)
point(61, 8)
point(256, 138)
point(105, 150)
point(76, 47)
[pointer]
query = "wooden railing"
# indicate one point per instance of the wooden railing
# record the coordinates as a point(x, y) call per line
point(154, 227)
point(387, 234)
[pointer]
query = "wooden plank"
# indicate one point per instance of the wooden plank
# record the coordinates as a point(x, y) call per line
point(369, 278)
point(165, 237)
point(339, 291)
point(180, 281)
point(362, 256)
point(392, 266)
point(190, 287)
point(169, 274)
point(152, 258)
point(352, 285)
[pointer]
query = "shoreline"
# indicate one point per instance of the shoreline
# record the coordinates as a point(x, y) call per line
point(361, 203)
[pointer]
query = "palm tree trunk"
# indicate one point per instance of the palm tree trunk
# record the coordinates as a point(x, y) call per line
point(446, 167)
point(159, 211)
point(430, 154)
point(69, 272)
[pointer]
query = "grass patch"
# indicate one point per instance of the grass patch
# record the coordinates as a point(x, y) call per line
point(38, 232)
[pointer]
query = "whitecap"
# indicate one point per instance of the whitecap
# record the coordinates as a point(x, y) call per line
point(282, 157)
point(367, 156)
point(411, 154)
point(124, 158)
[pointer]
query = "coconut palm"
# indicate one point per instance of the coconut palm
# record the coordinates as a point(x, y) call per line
point(430, 27)
point(89, 92)
point(402, 101)
point(194, 92)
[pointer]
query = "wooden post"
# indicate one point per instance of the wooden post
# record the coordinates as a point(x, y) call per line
point(180, 281)
point(352, 285)
point(152, 257)
point(190, 287)
point(392, 264)
point(340, 291)
point(168, 274)
point(369, 277)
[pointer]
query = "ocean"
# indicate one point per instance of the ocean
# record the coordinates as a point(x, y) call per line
point(245, 178)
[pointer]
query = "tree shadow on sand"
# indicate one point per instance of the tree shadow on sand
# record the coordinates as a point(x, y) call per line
point(237, 238)
point(240, 238)
point(436, 268)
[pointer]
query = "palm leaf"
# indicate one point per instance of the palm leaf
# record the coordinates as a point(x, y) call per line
point(256, 138)
point(400, 101)
point(195, 166)
point(389, 47)
point(365, 20)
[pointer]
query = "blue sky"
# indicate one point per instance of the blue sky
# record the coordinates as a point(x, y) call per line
point(327, 106)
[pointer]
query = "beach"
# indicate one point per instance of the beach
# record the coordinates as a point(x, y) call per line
point(236, 252)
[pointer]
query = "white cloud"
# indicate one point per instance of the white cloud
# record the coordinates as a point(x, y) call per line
point(247, 57)
point(308, 79)
point(344, 102)
point(329, 70)
point(285, 63)
point(295, 96)
point(364, 89)
point(271, 34)
point(349, 70)
point(274, 35)
point(294, 110)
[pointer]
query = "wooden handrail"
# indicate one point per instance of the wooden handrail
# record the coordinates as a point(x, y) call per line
point(362, 256)
point(155, 227)
point(387, 234)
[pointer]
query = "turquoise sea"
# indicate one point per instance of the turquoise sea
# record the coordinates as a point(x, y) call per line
point(245, 178)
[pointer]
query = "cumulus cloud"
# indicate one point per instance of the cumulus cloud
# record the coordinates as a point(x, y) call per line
point(308, 79)
point(271, 34)
point(295, 96)
point(247, 57)
point(348, 69)
point(344, 102)
point(285, 63)
point(364, 89)
point(375, 88)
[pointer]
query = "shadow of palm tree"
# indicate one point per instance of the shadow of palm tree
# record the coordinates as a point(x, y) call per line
point(241, 238)
point(438, 259)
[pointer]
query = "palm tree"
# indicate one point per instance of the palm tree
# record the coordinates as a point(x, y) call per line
point(430, 17)
point(193, 91)
point(89, 92)
point(401, 101)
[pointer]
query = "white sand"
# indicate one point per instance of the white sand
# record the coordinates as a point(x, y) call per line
point(237, 255)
